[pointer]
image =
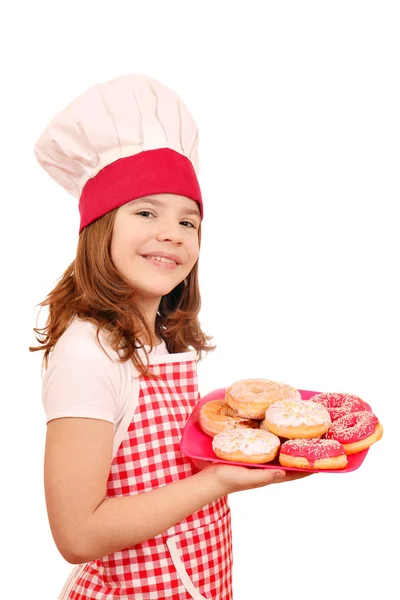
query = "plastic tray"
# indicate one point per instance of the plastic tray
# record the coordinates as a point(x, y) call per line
point(197, 445)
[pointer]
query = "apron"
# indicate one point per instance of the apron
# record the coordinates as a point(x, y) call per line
point(191, 560)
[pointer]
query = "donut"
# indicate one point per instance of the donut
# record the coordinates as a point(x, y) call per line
point(356, 431)
point(246, 445)
point(251, 397)
point(216, 415)
point(339, 405)
point(313, 453)
point(296, 419)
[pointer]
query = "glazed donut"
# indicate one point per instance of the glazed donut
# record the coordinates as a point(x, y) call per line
point(246, 445)
point(251, 397)
point(339, 405)
point(296, 419)
point(356, 431)
point(216, 415)
point(313, 453)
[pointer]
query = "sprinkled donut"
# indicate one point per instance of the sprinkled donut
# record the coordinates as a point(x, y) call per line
point(339, 405)
point(356, 431)
point(246, 445)
point(251, 397)
point(216, 415)
point(313, 453)
point(296, 419)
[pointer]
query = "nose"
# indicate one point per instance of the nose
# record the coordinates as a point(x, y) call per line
point(170, 231)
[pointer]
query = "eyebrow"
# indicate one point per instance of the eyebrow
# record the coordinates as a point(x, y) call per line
point(155, 202)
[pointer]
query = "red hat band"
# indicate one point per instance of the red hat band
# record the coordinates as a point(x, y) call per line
point(158, 171)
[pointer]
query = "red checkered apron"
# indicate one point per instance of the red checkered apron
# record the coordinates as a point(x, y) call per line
point(192, 559)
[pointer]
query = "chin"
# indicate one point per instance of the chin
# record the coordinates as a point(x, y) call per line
point(156, 292)
point(154, 287)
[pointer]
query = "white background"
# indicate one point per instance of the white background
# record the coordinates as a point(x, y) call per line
point(298, 108)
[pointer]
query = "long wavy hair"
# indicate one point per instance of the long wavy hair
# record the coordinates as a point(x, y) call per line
point(92, 289)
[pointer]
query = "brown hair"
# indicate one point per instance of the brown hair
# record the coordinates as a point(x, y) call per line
point(92, 289)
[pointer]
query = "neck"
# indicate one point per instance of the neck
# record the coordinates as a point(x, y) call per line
point(150, 308)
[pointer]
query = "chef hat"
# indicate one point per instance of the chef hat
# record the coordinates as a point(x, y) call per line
point(121, 140)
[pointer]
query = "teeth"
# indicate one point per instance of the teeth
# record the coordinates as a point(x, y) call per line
point(162, 259)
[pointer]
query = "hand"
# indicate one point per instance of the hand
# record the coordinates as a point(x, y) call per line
point(232, 478)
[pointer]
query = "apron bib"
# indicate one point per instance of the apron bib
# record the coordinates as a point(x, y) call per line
point(191, 560)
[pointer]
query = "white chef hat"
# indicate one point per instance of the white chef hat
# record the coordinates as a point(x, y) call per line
point(121, 140)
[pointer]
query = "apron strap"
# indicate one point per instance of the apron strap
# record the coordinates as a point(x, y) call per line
point(133, 400)
point(131, 405)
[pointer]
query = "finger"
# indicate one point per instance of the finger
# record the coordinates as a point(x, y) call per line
point(270, 476)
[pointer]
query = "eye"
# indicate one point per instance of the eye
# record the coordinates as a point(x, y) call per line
point(144, 213)
point(188, 223)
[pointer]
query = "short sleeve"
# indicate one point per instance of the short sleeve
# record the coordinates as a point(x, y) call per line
point(85, 379)
point(81, 386)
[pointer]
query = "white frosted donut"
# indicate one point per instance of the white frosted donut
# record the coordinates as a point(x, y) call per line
point(296, 419)
point(246, 445)
point(251, 397)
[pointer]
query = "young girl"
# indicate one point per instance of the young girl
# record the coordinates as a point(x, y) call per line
point(121, 343)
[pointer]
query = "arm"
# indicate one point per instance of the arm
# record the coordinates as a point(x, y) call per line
point(85, 524)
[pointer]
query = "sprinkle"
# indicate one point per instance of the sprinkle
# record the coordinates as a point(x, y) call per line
point(353, 427)
point(312, 448)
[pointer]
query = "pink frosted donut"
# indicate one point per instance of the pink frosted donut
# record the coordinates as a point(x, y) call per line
point(356, 431)
point(339, 405)
point(313, 453)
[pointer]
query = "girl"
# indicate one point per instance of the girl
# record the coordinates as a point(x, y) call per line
point(121, 343)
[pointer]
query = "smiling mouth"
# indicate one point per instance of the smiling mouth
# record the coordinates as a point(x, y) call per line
point(161, 259)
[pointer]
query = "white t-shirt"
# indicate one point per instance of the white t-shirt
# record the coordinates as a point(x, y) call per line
point(82, 381)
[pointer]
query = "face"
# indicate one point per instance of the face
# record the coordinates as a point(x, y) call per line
point(155, 243)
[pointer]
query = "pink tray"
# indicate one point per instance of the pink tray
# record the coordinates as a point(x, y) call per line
point(197, 445)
